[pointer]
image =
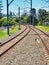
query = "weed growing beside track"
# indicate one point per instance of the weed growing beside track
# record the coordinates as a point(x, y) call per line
point(3, 32)
point(45, 28)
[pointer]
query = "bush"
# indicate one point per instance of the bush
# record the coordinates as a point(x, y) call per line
point(4, 21)
point(0, 23)
point(36, 21)
point(26, 19)
point(41, 23)
point(12, 21)
point(17, 19)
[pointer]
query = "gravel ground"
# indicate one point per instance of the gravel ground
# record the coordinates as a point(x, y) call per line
point(30, 51)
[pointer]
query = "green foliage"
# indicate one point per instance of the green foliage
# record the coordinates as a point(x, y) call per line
point(12, 21)
point(28, 19)
point(47, 19)
point(3, 21)
point(36, 21)
point(43, 16)
point(14, 29)
point(17, 19)
point(25, 19)
point(0, 23)
point(3, 33)
point(45, 28)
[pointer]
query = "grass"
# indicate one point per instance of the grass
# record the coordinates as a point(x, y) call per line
point(45, 28)
point(3, 33)
point(14, 29)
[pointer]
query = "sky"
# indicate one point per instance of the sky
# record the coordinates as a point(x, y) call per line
point(37, 4)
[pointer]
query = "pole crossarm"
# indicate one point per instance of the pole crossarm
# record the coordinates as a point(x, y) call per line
point(10, 2)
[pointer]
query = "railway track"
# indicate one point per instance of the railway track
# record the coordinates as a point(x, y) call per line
point(43, 32)
point(4, 47)
point(21, 51)
point(11, 38)
point(43, 36)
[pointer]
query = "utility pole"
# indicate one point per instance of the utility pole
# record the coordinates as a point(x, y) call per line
point(31, 11)
point(19, 17)
point(1, 9)
point(8, 16)
point(8, 19)
point(32, 15)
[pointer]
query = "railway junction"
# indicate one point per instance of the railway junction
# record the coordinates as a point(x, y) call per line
point(29, 46)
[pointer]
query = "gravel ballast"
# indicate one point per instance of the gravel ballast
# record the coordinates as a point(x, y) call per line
point(30, 51)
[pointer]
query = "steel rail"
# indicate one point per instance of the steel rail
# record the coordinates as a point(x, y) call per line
point(1, 53)
point(41, 39)
point(42, 31)
point(6, 41)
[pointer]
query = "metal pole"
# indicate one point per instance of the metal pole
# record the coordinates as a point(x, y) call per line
point(32, 16)
point(8, 32)
point(31, 12)
point(19, 16)
point(8, 19)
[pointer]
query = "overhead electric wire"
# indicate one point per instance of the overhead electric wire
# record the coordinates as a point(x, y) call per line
point(45, 7)
point(47, 1)
point(20, 8)
point(15, 4)
point(25, 8)
point(27, 2)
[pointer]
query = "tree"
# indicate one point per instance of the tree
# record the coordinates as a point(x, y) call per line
point(47, 16)
point(34, 11)
point(33, 14)
point(42, 15)
point(17, 19)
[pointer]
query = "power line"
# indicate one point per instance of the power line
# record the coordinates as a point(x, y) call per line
point(20, 8)
point(15, 4)
point(25, 8)
point(30, 3)
point(45, 6)
point(47, 1)
point(27, 1)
